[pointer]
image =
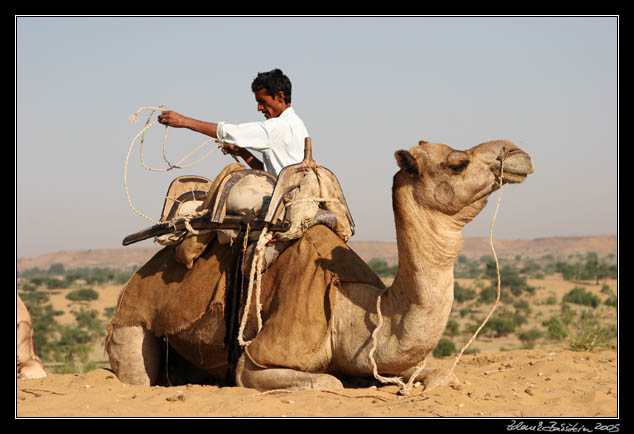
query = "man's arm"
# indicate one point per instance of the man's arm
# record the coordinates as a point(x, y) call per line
point(248, 157)
point(176, 120)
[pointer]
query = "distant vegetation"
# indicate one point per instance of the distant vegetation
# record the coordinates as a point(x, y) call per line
point(580, 320)
point(584, 320)
point(577, 267)
point(66, 348)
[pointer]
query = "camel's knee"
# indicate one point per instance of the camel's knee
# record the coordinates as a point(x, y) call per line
point(254, 377)
point(32, 368)
point(135, 355)
point(28, 364)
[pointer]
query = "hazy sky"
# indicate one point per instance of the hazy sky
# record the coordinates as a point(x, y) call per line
point(364, 86)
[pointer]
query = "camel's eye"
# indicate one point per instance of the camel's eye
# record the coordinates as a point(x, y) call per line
point(459, 166)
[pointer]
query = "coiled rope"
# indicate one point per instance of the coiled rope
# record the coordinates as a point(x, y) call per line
point(255, 273)
point(405, 388)
point(170, 165)
point(254, 277)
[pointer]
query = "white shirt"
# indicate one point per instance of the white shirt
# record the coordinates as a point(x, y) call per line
point(280, 139)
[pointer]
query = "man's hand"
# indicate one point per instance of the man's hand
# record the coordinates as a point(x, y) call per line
point(172, 119)
point(176, 120)
point(230, 148)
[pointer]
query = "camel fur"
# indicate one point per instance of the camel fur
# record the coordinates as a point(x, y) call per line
point(27, 362)
point(436, 192)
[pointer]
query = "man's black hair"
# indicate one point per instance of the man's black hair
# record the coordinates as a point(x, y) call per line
point(273, 81)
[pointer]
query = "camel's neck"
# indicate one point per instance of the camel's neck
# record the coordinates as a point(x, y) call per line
point(428, 245)
point(419, 301)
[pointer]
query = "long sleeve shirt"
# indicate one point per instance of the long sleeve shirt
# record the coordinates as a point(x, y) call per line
point(280, 139)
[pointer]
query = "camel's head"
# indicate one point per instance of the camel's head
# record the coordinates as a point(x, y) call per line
point(457, 183)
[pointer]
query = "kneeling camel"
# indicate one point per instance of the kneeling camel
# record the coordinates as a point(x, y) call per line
point(436, 192)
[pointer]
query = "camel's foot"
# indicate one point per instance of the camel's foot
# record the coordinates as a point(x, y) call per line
point(440, 377)
point(432, 378)
point(135, 355)
point(253, 377)
point(31, 369)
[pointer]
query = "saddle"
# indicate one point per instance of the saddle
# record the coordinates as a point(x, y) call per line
point(196, 209)
point(199, 215)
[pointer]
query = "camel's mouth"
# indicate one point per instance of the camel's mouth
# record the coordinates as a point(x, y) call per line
point(517, 166)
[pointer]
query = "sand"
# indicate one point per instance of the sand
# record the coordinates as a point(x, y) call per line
point(544, 383)
point(547, 382)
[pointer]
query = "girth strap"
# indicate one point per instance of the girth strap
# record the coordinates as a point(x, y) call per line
point(233, 301)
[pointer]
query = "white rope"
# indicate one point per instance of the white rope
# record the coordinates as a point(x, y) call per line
point(497, 268)
point(171, 166)
point(254, 277)
point(406, 387)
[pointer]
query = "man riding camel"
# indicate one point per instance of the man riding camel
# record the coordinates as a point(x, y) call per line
point(280, 138)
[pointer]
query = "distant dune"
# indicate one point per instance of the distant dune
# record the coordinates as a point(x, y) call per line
point(128, 257)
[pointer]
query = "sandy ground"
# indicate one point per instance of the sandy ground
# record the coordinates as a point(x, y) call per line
point(545, 383)
point(549, 382)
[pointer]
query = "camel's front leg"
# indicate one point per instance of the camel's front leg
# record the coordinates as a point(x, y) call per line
point(254, 377)
point(135, 355)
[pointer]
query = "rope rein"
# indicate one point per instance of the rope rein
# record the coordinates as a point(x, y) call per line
point(405, 388)
point(497, 269)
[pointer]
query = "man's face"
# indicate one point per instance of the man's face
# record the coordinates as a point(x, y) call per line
point(270, 107)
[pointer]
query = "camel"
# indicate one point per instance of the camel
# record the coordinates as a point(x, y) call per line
point(27, 362)
point(435, 193)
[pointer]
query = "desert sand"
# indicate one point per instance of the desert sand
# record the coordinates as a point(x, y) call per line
point(544, 383)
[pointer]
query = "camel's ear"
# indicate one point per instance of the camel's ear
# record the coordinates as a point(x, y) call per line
point(407, 162)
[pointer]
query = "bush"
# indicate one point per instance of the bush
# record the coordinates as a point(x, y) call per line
point(53, 283)
point(612, 301)
point(580, 296)
point(444, 348)
point(488, 295)
point(501, 326)
point(582, 330)
point(34, 298)
point(452, 327)
point(381, 268)
point(529, 337)
point(461, 294)
point(591, 269)
point(556, 329)
point(57, 269)
point(509, 278)
point(589, 332)
point(86, 294)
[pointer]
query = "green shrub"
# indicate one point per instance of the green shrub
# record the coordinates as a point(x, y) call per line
point(580, 296)
point(501, 326)
point(529, 337)
point(28, 287)
point(84, 294)
point(57, 269)
point(488, 295)
point(452, 327)
point(556, 329)
point(444, 348)
point(461, 294)
point(381, 267)
point(589, 332)
point(612, 301)
point(581, 330)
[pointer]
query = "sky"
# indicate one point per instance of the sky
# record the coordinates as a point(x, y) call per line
point(364, 86)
